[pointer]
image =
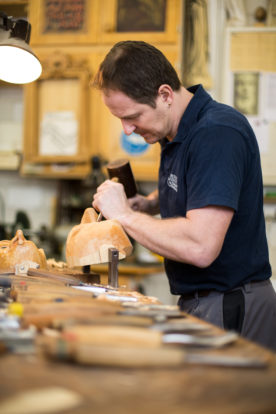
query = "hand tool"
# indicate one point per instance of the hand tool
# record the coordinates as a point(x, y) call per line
point(135, 336)
point(122, 170)
point(162, 357)
point(214, 341)
point(113, 259)
point(153, 313)
point(66, 347)
point(180, 326)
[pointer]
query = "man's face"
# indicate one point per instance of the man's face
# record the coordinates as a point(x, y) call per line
point(151, 123)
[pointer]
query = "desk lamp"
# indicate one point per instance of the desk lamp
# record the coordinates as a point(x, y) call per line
point(18, 63)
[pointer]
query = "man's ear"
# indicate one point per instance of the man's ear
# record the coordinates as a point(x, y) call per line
point(166, 93)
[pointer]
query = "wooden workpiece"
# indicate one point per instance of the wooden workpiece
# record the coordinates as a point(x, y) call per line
point(89, 242)
point(182, 388)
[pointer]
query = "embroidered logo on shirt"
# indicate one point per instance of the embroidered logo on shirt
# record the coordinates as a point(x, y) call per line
point(172, 182)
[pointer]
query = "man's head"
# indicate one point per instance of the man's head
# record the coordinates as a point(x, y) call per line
point(138, 70)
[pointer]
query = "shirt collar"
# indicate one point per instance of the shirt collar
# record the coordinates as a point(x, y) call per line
point(190, 116)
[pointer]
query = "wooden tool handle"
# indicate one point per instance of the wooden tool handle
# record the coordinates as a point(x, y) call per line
point(122, 170)
point(115, 336)
point(108, 355)
point(128, 356)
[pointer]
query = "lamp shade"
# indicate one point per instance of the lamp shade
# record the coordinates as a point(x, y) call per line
point(18, 64)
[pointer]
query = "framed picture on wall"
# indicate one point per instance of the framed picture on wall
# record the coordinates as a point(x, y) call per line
point(63, 21)
point(141, 16)
point(246, 92)
point(157, 21)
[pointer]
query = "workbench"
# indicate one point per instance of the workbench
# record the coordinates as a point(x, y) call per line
point(189, 388)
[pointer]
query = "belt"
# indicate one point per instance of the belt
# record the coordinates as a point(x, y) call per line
point(206, 292)
point(199, 293)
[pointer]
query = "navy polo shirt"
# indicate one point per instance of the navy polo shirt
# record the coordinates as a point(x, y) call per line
point(214, 160)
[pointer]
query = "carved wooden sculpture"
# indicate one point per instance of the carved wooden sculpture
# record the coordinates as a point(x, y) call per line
point(88, 242)
point(19, 250)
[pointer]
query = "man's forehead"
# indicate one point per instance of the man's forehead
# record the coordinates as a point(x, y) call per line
point(116, 95)
point(122, 105)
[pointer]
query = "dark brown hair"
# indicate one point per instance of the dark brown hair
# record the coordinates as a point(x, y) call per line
point(137, 69)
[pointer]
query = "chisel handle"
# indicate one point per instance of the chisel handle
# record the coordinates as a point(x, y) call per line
point(115, 336)
point(109, 354)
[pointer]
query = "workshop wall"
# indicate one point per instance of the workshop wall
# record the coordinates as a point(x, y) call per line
point(31, 195)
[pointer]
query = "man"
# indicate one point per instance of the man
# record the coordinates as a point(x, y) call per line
point(212, 231)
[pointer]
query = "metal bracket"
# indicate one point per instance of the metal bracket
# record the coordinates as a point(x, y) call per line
point(22, 268)
point(113, 259)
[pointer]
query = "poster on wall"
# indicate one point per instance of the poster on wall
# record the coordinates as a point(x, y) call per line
point(254, 95)
point(246, 92)
point(59, 133)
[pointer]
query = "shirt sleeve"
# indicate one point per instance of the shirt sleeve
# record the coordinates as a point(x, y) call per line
point(216, 167)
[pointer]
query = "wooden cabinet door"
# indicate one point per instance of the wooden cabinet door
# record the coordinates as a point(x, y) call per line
point(156, 21)
point(56, 142)
point(63, 22)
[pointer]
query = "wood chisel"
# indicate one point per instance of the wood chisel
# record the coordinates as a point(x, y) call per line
point(66, 347)
point(135, 336)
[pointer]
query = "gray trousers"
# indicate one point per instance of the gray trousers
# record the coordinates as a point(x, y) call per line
point(249, 310)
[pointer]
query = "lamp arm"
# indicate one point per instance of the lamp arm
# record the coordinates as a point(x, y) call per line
point(19, 28)
point(6, 22)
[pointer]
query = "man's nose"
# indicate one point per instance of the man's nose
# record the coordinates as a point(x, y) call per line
point(128, 127)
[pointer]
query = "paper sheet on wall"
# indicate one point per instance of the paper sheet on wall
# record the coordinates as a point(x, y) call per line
point(11, 136)
point(58, 134)
point(269, 96)
point(261, 129)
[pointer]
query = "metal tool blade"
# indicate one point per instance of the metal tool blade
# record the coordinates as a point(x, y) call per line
point(153, 313)
point(226, 360)
point(183, 326)
point(113, 259)
point(96, 290)
point(205, 341)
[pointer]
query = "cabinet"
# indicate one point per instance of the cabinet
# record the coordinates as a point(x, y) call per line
point(63, 22)
point(155, 21)
point(57, 117)
point(64, 84)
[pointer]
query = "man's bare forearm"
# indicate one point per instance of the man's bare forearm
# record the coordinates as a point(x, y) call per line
point(165, 237)
point(188, 239)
